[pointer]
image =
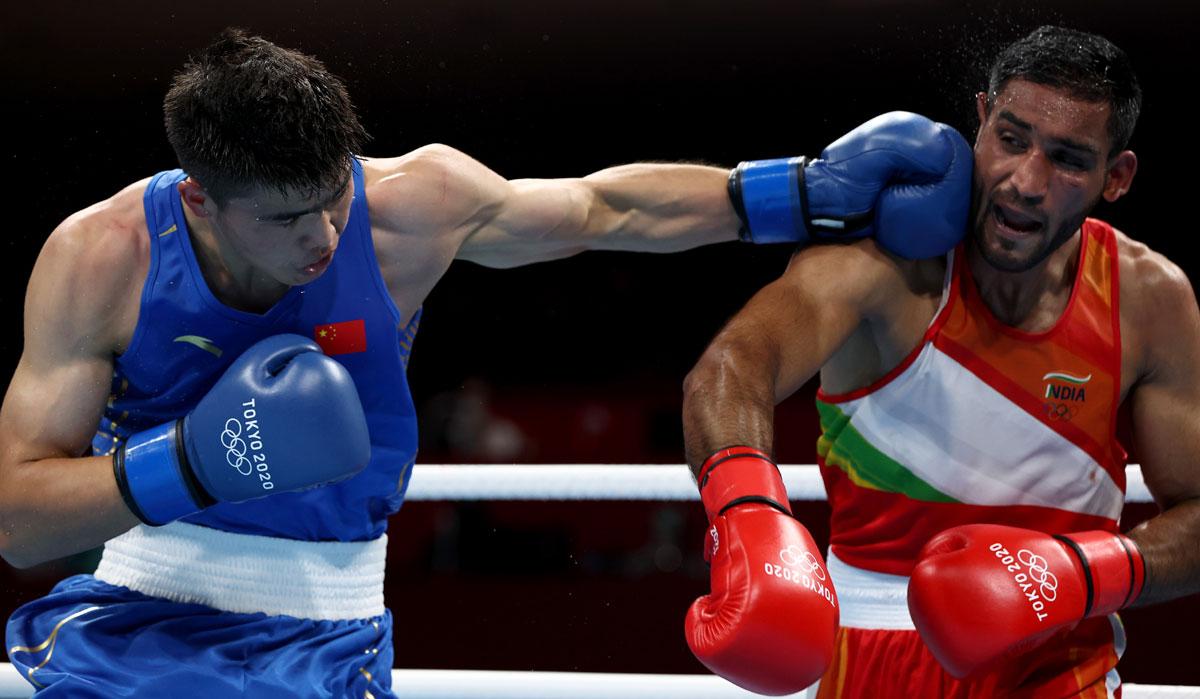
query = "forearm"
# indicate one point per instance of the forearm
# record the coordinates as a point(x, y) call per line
point(776, 343)
point(57, 507)
point(728, 400)
point(660, 207)
point(1168, 544)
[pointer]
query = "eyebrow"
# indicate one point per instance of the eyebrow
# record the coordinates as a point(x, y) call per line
point(286, 215)
point(1065, 142)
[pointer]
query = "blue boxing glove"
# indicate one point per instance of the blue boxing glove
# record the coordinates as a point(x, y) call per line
point(283, 417)
point(900, 177)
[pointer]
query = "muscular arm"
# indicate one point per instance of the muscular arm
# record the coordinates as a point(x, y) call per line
point(506, 223)
point(779, 341)
point(1166, 422)
point(53, 501)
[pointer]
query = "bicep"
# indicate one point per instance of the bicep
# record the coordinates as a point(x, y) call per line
point(53, 406)
point(1166, 428)
point(1166, 401)
point(61, 383)
point(528, 221)
point(795, 324)
point(489, 219)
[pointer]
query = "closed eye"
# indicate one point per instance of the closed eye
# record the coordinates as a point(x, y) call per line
point(1011, 140)
point(1072, 161)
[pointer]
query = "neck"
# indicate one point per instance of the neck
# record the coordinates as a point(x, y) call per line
point(1034, 299)
point(229, 276)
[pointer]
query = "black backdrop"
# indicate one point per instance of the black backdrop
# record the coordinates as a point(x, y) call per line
point(559, 89)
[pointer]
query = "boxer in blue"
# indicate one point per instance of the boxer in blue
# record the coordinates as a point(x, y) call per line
point(231, 338)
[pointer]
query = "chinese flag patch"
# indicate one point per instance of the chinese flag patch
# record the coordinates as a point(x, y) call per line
point(346, 337)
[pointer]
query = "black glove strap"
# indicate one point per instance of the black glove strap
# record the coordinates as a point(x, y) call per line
point(708, 471)
point(733, 187)
point(118, 460)
point(1087, 573)
point(754, 498)
point(201, 496)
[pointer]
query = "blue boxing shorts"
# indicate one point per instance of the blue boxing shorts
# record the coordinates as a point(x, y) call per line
point(187, 612)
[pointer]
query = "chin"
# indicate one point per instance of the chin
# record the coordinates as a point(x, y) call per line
point(995, 252)
point(291, 278)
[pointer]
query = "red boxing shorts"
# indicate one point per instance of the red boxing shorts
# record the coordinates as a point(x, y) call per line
point(879, 654)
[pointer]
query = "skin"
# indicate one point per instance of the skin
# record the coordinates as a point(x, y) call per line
point(853, 312)
point(427, 209)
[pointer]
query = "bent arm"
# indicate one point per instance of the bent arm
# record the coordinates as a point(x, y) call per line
point(1166, 423)
point(777, 342)
point(54, 501)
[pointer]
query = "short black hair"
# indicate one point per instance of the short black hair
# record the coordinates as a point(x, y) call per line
point(1087, 66)
point(246, 113)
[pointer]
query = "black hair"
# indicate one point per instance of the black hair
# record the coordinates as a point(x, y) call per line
point(246, 113)
point(1087, 66)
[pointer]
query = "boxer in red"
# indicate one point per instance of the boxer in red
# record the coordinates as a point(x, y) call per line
point(968, 406)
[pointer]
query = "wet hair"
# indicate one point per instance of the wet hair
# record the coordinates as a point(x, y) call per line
point(1086, 66)
point(245, 113)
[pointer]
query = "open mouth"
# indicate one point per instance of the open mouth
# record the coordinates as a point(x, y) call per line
point(320, 264)
point(1014, 221)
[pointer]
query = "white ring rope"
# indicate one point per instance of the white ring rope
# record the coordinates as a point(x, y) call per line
point(494, 684)
point(594, 482)
point(614, 482)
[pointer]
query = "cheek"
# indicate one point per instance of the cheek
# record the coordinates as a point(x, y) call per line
point(1076, 193)
point(265, 242)
point(990, 165)
point(309, 232)
point(342, 216)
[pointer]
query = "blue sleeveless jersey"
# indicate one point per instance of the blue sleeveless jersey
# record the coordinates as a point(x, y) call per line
point(185, 339)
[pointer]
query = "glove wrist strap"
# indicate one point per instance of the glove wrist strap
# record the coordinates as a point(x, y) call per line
point(156, 484)
point(1113, 567)
point(769, 196)
point(740, 475)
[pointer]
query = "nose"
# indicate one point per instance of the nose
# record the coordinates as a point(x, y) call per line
point(325, 233)
point(1031, 178)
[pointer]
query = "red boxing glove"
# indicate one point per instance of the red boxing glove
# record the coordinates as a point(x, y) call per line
point(769, 624)
point(984, 592)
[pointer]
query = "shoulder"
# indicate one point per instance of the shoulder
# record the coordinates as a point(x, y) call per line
point(421, 207)
point(1160, 321)
point(435, 187)
point(1150, 284)
point(867, 276)
point(92, 264)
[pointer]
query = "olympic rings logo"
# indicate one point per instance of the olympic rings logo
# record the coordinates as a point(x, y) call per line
point(1060, 411)
point(235, 447)
point(793, 555)
point(1039, 571)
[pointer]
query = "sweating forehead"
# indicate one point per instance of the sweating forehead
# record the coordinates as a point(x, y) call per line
point(264, 197)
point(1054, 113)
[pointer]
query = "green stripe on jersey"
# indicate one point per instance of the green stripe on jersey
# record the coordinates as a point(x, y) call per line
point(841, 445)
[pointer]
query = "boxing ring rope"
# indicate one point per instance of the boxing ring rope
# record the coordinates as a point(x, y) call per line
point(491, 684)
point(593, 482)
point(615, 482)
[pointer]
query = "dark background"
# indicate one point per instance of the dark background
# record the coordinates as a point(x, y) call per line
point(577, 360)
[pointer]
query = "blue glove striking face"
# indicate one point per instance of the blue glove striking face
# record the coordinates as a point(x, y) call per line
point(900, 177)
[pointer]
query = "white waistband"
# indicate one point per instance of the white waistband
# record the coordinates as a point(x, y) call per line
point(247, 574)
point(870, 600)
